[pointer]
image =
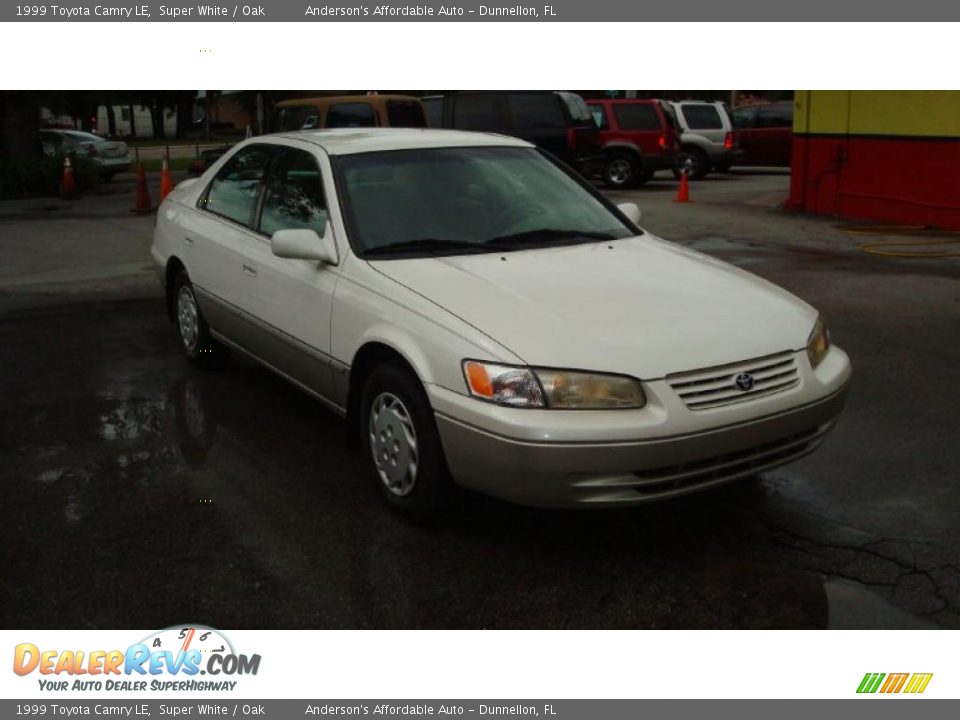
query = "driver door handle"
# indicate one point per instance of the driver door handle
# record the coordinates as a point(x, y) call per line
point(249, 270)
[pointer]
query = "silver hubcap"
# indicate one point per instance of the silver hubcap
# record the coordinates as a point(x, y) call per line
point(393, 442)
point(187, 317)
point(618, 171)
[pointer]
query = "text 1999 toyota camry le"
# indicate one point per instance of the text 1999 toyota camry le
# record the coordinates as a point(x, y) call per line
point(484, 318)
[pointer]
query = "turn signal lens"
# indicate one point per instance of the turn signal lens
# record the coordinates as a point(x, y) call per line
point(503, 384)
point(818, 343)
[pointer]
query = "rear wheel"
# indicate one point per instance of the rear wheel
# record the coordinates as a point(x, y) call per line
point(696, 162)
point(622, 170)
point(401, 445)
point(195, 339)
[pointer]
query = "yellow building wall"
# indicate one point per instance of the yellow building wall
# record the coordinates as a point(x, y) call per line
point(913, 113)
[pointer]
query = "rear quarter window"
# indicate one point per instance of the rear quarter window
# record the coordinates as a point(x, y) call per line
point(475, 112)
point(702, 117)
point(599, 116)
point(350, 115)
point(536, 111)
point(294, 118)
point(637, 116)
point(433, 107)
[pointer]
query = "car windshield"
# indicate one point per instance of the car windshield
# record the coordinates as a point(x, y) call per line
point(450, 201)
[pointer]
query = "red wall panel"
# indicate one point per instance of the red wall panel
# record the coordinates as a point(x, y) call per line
point(910, 181)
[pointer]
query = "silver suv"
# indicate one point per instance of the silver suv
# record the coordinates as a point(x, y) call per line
point(707, 138)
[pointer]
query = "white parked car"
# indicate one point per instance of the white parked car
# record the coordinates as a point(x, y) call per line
point(484, 318)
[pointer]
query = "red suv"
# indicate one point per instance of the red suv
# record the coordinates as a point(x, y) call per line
point(638, 137)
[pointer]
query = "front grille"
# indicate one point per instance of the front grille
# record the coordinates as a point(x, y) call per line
point(716, 387)
point(677, 478)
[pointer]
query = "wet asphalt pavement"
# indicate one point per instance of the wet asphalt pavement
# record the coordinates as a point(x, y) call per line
point(138, 491)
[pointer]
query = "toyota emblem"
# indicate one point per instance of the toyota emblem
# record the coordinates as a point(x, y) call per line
point(744, 381)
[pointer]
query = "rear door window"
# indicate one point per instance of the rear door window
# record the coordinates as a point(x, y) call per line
point(636, 116)
point(702, 117)
point(293, 195)
point(351, 115)
point(475, 112)
point(233, 192)
point(405, 113)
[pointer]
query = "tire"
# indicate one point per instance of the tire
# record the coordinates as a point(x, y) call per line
point(698, 159)
point(411, 477)
point(621, 170)
point(194, 333)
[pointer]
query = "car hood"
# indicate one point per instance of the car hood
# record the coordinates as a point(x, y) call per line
point(642, 306)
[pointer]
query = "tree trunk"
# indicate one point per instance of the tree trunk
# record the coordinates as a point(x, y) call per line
point(133, 122)
point(156, 114)
point(111, 121)
point(185, 100)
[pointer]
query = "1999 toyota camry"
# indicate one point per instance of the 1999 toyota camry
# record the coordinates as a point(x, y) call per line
point(482, 317)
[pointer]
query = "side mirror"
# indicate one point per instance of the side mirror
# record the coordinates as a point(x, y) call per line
point(305, 244)
point(631, 211)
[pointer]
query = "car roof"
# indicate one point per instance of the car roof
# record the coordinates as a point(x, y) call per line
point(623, 101)
point(349, 141)
point(326, 100)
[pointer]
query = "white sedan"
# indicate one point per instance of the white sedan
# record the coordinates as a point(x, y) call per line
point(484, 318)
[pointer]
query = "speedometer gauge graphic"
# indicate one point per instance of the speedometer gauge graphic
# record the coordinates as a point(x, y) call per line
point(181, 639)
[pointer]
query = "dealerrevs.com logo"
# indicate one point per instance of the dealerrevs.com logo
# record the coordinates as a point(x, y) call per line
point(889, 683)
point(171, 659)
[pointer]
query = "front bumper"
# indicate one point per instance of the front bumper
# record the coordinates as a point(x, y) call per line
point(550, 467)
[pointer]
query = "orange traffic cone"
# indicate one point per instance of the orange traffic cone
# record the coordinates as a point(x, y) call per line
point(69, 188)
point(683, 194)
point(165, 183)
point(142, 203)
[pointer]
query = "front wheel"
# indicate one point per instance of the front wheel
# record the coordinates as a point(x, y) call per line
point(401, 445)
point(195, 339)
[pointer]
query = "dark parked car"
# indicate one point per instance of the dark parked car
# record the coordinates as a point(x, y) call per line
point(766, 133)
point(638, 137)
point(558, 122)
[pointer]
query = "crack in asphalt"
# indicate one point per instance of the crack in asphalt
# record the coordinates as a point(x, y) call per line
point(893, 578)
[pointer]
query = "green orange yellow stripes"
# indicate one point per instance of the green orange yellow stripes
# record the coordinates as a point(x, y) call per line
point(870, 682)
point(894, 683)
point(918, 682)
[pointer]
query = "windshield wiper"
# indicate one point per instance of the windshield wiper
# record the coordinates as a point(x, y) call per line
point(533, 237)
point(428, 245)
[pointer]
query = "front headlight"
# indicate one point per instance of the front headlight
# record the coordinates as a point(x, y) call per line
point(554, 389)
point(818, 343)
